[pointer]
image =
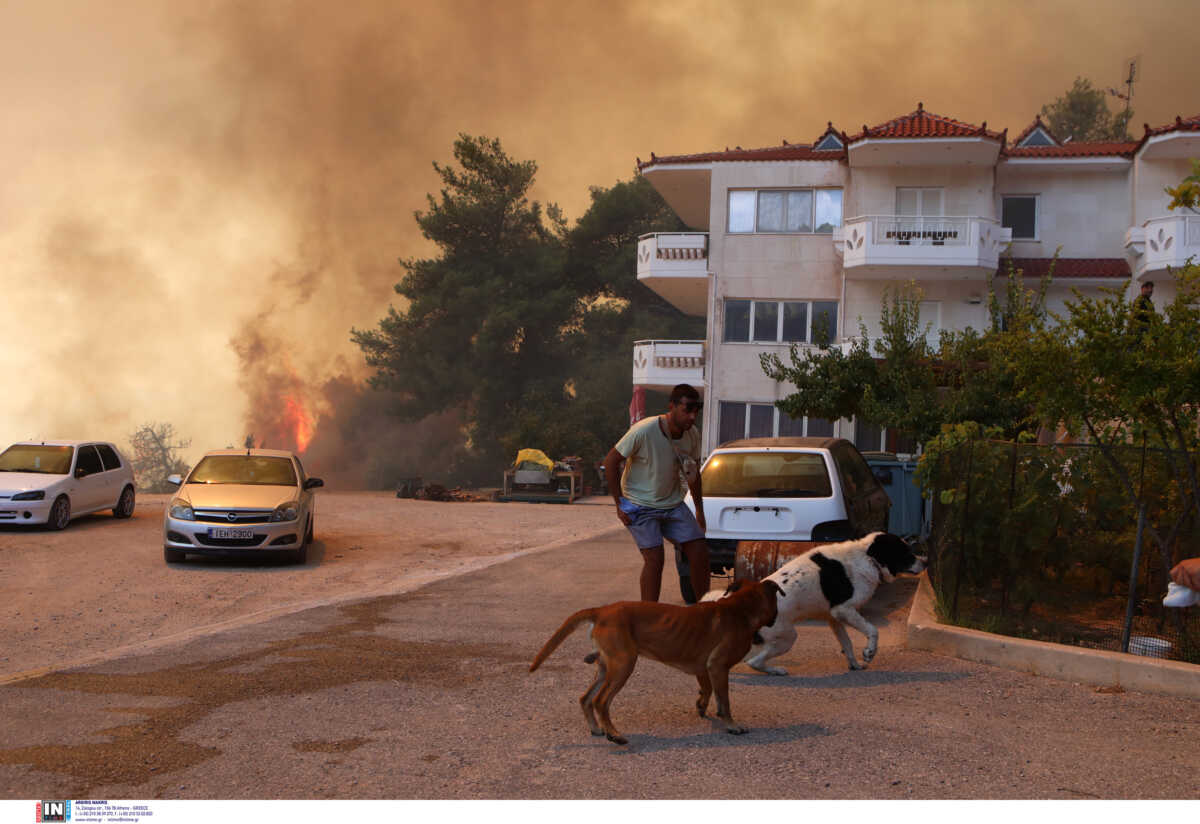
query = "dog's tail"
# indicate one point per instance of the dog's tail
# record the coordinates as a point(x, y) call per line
point(558, 637)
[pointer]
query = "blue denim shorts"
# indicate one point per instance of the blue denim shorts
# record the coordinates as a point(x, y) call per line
point(650, 526)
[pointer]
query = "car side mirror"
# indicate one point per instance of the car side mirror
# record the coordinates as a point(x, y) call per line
point(883, 476)
point(80, 472)
point(313, 483)
point(174, 480)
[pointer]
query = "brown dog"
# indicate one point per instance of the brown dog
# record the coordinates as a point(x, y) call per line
point(704, 640)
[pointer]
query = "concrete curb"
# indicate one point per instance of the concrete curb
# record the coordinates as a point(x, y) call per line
point(1088, 666)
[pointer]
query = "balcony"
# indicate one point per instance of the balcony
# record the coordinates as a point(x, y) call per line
point(1163, 242)
point(676, 267)
point(661, 364)
point(886, 247)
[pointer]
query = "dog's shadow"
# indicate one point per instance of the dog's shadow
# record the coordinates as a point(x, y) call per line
point(757, 736)
point(849, 679)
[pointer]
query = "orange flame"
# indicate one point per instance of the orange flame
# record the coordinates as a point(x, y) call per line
point(299, 421)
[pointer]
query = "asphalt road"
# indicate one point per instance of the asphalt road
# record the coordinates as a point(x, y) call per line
point(427, 695)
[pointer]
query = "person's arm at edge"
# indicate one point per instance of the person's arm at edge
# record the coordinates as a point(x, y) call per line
point(612, 476)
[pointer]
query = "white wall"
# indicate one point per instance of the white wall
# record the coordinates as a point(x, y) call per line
point(966, 190)
point(1086, 213)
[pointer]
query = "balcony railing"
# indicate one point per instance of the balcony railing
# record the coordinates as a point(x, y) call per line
point(665, 363)
point(1165, 242)
point(876, 242)
point(673, 254)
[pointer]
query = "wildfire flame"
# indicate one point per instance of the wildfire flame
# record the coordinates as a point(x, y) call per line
point(298, 421)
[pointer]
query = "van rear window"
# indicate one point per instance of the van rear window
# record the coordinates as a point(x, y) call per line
point(766, 475)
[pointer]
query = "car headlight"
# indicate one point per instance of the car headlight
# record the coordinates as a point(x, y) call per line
point(39, 495)
point(286, 512)
point(182, 510)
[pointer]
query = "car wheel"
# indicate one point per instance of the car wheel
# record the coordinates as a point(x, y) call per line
point(60, 513)
point(173, 556)
point(124, 507)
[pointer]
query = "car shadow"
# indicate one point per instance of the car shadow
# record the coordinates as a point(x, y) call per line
point(242, 563)
point(80, 523)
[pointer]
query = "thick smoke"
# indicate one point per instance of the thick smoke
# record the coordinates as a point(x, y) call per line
point(200, 201)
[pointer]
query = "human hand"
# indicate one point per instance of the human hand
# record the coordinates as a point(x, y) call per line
point(623, 517)
point(700, 520)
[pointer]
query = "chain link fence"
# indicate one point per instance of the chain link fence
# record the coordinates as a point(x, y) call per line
point(1064, 543)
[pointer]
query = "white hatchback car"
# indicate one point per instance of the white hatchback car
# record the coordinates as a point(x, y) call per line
point(242, 502)
point(51, 482)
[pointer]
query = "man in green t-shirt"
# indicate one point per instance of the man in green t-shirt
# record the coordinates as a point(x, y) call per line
point(662, 459)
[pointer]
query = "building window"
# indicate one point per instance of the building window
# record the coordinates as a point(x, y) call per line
point(746, 419)
point(1020, 213)
point(780, 321)
point(785, 211)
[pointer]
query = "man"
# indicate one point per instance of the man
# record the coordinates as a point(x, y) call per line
point(1143, 309)
point(661, 454)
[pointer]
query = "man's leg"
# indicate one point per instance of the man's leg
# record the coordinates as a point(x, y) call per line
point(696, 553)
point(652, 567)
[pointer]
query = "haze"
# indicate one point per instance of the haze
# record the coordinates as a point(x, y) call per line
point(199, 200)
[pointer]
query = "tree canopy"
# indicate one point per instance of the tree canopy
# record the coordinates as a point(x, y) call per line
point(524, 325)
point(1081, 113)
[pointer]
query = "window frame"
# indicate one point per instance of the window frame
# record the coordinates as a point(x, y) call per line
point(810, 319)
point(1037, 215)
point(776, 417)
point(812, 222)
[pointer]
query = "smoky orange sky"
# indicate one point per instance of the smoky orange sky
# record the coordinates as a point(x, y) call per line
point(199, 200)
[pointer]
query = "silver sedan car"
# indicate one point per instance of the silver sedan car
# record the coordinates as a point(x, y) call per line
point(242, 502)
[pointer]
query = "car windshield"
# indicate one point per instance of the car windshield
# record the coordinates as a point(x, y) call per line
point(48, 460)
point(243, 469)
point(766, 475)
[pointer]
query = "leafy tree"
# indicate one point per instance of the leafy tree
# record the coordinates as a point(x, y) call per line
point(155, 455)
point(903, 383)
point(1187, 194)
point(524, 327)
point(1082, 114)
point(1122, 381)
point(484, 319)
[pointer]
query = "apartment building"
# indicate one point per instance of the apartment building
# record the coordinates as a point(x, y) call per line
point(793, 241)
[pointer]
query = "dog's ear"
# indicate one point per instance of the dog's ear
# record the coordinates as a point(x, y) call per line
point(733, 587)
point(772, 588)
point(892, 552)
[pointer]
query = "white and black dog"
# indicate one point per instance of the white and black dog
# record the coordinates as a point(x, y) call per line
point(831, 582)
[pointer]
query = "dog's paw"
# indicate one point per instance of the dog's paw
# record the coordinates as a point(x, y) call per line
point(868, 654)
point(617, 739)
point(775, 671)
point(598, 733)
point(702, 709)
point(737, 730)
point(854, 665)
point(591, 657)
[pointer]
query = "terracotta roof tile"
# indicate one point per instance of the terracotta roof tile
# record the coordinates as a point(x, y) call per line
point(788, 151)
point(1117, 268)
point(925, 124)
point(1103, 149)
point(1181, 124)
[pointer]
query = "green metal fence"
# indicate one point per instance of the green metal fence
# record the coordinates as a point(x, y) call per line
point(1064, 543)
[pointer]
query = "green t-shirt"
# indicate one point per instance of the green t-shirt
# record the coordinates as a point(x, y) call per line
point(653, 474)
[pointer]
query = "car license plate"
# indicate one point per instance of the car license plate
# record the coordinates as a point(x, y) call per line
point(229, 532)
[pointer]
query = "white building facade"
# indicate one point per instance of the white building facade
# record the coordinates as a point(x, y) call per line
point(795, 241)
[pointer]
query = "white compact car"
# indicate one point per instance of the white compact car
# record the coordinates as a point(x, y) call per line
point(51, 482)
point(242, 502)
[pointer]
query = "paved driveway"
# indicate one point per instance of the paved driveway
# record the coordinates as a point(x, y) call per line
point(427, 695)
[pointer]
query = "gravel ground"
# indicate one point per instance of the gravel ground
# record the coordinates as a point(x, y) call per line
point(427, 694)
point(100, 587)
